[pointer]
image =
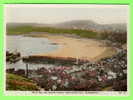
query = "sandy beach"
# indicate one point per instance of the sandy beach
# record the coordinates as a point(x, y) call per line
point(80, 48)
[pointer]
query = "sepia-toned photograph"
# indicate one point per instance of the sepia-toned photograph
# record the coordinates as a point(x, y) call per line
point(66, 48)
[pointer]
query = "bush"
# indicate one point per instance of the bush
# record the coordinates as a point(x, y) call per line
point(15, 82)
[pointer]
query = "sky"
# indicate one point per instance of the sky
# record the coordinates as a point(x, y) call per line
point(50, 14)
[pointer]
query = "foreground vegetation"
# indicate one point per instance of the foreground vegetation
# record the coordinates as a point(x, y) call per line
point(16, 82)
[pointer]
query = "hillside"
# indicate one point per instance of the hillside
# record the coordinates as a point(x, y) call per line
point(82, 28)
point(16, 82)
point(77, 24)
point(91, 25)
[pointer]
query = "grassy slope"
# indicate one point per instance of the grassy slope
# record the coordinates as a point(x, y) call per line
point(15, 82)
point(28, 29)
point(25, 29)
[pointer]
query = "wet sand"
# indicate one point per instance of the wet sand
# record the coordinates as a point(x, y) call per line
point(80, 48)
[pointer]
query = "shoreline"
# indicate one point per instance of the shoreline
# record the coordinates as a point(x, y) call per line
point(76, 47)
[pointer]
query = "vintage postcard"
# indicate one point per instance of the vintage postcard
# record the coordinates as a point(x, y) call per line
point(66, 49)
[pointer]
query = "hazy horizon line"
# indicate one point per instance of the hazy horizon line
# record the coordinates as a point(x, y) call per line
point(67, 21)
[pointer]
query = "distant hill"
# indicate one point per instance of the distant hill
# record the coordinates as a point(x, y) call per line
point(91, 25)
point(78, 24)
point(82, 28)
